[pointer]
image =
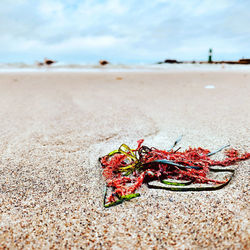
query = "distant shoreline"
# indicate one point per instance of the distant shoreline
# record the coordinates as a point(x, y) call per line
point(173, 61)
point(164, 67)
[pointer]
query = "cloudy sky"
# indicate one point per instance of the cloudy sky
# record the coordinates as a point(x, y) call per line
point(123, 31)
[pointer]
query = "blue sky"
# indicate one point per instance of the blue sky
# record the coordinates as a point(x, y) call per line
point(130, 31)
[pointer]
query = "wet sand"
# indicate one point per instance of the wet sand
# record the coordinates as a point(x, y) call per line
point(54, 126)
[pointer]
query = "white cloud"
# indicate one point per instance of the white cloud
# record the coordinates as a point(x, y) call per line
point(126, 30)
point(72, 44)
point(51, 9)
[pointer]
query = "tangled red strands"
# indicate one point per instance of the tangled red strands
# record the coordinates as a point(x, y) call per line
point(125, 170)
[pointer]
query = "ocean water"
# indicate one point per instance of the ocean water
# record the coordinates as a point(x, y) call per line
point(61, 67)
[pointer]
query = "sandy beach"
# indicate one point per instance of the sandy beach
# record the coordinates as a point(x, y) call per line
point(54, 127)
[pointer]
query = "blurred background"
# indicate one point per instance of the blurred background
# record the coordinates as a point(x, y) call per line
point(131, 31)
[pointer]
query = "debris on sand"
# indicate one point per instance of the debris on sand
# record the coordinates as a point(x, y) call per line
point(46, 61)
point(49, 61)
point(126, 169)
point(103, 62)
point(39, 64)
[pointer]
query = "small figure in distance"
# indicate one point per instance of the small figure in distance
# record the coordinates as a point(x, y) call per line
point(103, 62)
point(39, 64)
point(48, 61)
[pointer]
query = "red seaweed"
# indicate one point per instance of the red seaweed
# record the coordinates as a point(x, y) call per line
point(125, 170)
